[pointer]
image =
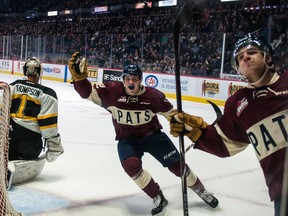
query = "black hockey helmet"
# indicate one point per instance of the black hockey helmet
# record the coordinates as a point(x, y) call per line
point(249, 40)
point(33, 67)
point(132, 70)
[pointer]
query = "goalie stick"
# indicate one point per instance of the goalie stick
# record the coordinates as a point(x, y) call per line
point(190, 10)
point(218, 116)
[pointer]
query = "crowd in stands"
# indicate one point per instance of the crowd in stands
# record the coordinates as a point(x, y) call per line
point(20, 6)
point(112, 40)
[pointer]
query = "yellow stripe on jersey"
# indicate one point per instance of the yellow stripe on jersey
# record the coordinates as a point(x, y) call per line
point(30, 118)
point(48, 126)
point(47, 116)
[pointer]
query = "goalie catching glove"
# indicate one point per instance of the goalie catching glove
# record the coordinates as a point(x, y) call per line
point(77, 68)
point(55, 148)
point(188, 125)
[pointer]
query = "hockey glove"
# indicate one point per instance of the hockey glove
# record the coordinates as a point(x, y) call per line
point(188, 125)
point(77, 68)
point(55, 148)
point(99, 85)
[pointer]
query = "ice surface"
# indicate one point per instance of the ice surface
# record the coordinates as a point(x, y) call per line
point(88, 179)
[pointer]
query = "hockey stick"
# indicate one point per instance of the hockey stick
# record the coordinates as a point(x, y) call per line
point(186, 13)
point(284, 197)
point(218, 116)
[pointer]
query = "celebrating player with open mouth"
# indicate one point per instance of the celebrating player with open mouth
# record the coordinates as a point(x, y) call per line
point(134, 110)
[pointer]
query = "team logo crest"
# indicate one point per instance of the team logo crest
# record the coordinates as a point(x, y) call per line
point(122, 99)
point(133, 99)
point(241, 105)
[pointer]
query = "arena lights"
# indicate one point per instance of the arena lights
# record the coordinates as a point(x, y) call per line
point(65, 12)
point(167, 3)
point(52, 13)
point(143, 5)
point(100, 9)
point(229, 0)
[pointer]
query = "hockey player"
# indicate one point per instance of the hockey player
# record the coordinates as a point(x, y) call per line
point(134, 110)
point(34, 115)
point(257, 115)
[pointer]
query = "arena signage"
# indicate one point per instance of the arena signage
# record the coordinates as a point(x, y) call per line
point(111, 75)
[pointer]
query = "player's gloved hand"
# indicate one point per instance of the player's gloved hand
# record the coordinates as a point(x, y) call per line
point(188, 125)
point(55, 148)
point(77, 67)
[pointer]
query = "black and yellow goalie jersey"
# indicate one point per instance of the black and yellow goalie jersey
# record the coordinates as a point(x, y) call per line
point(34, 107)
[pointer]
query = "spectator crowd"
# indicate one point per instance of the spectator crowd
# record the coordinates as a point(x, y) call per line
point(144, 36)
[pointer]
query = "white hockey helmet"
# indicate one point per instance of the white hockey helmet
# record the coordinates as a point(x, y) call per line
point(33, 67)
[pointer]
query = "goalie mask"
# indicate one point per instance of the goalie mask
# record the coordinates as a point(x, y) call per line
point(32, 67)
point(132, 70)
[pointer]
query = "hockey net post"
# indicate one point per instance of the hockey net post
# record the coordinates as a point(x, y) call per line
point(6, 208)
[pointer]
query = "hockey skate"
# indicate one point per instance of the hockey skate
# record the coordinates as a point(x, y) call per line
point(208, 198)
point(159, 205)
point(205, 195)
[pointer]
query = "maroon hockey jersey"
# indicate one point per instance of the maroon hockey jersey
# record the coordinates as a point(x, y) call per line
point(132, 116)
point(257, 116)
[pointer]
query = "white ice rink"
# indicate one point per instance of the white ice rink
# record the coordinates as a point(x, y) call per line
point(88, 179)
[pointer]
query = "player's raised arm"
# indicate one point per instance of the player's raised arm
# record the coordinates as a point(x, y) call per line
point(79, 73)
point(77, 67)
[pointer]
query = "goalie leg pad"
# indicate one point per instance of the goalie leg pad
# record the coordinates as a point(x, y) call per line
point(11, 170)
point(24, 170)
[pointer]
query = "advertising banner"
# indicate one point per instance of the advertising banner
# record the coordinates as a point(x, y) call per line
point(111, 75)
point(6, 66)
point(197, 89)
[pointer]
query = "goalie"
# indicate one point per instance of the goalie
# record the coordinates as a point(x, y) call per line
point(33, 118)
